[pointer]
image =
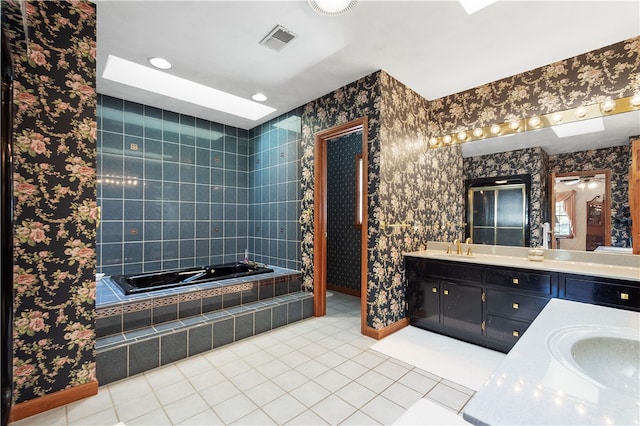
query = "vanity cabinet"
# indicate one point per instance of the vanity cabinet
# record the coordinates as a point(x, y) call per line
point(445, 299)
point(492, 305)
point(489, 306)
point(601, 291)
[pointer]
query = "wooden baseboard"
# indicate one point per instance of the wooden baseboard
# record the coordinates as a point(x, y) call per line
point(344, 290)
point(386, 331)
point(53, 400)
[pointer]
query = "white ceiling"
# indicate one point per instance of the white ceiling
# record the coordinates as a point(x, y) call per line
point(433, 47)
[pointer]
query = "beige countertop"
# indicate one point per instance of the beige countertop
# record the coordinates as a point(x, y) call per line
point(617, 266)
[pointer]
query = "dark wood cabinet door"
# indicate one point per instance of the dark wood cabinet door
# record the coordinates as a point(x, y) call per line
point(462, 307)
point(423, 300)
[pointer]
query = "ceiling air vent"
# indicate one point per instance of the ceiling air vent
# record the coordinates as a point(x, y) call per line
point(278, 38)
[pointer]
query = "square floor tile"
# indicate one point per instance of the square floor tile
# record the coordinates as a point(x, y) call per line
point(356, 394)
point(382, 410)
point(310, 393)
point(234, 408)
point(283, 409)
point(333, 409)
point(448, 397)
point(332, 380)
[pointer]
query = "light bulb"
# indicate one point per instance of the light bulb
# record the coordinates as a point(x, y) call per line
point(608, 105)
point(534, 121)
point(514, 125)
point(433, 141)
point(478, 132)
point(557, 118)
point(581, 112)
point(447, 139)
point(635, 100)
point(462, 135)
point(495, 129)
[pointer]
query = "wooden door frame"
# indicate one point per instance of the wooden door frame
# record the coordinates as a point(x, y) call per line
point(606, 205)
point(320, 216)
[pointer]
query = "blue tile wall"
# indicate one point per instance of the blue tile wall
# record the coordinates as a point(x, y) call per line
point(274, 191)
point(178, 191)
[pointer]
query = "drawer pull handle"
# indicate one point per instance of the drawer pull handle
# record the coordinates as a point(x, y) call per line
point(434, 290)
point(446, 292)
point(515, 306)
point(624, 296)
point(516, 281)
point(516, 333)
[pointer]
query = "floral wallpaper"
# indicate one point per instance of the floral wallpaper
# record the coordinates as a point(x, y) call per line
point(618, 160)
point(419, 189)
point(613, 71)
point(531, 161)
point(358, 99)
point(55, 200)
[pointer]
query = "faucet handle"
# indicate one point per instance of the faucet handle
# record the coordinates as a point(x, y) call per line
point(468, 241)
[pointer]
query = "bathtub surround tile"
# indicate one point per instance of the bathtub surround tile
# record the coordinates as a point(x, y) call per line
point(173, 347)
point(223, 332)
point(144, 356)
point(200, 339)
point(112, 365)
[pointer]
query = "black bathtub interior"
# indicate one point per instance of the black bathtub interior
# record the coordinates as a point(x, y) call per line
point(138, 283)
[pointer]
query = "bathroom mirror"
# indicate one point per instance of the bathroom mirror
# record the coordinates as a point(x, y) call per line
point(616, 131)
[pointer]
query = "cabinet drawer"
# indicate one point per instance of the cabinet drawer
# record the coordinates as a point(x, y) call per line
point(515, 305)
point(458, 271)
point(504, 329)
point(618, 295)
point(520, 279)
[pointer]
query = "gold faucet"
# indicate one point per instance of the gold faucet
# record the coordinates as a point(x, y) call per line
point(458, 245)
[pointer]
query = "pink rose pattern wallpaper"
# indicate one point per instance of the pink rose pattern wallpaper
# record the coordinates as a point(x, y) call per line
point(55, 209)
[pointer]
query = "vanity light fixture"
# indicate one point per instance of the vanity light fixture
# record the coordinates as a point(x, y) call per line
point(608, 105)
point(580, 120)
point(160, 63)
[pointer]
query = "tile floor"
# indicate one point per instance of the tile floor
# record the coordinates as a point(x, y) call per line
point(314, 372)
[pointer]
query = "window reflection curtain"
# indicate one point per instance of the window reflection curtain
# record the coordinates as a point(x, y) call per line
point(568, 199)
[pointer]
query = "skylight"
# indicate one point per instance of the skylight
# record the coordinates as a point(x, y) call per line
point(579, 127)
point(156, 81)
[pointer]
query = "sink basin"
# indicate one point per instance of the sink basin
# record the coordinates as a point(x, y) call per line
point(607, 356)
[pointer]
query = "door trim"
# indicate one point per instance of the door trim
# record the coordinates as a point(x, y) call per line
point(320, 217)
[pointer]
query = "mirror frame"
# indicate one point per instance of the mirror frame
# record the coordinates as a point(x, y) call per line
point(606, 204)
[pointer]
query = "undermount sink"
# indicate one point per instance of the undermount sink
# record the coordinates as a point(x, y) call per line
point(608, 356)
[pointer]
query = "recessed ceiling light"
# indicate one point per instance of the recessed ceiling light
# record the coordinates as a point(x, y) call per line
point(161, 63)
point(260, 97)
point(145, 78)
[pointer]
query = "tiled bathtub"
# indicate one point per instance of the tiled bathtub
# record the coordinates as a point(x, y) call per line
point(139, 332)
